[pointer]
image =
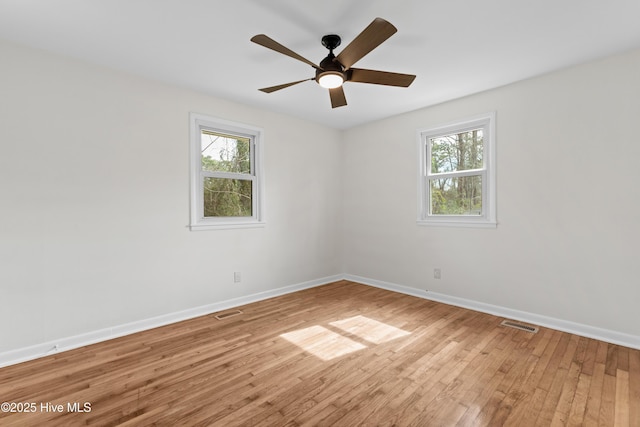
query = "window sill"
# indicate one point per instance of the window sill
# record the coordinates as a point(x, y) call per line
point(457, 223)
point(226, 226)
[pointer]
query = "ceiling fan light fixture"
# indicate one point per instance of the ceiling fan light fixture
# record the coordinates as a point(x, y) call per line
point(330, 79)
point(333, 70)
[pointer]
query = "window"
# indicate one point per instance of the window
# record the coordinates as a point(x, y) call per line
point(457, 174)
point(225, 174)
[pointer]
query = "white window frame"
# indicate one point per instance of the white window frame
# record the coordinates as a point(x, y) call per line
point(198, 221)
point(487, 219)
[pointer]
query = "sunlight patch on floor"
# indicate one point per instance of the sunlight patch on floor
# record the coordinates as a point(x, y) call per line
point(369, 329)
point(326, 344)
point(322, 343)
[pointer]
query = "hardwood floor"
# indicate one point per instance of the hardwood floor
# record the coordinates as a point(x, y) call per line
point(342, 354)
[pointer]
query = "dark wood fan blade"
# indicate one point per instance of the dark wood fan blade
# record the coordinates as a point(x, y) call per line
point(337, 97)
point(376, 77)
point(370, 38)
point(275, 88)
point(268, 42)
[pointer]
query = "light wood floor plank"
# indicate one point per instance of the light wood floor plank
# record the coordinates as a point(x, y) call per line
point(621, 417)
point(342, 354)
point(594, 400)
point(607, 406)
point(578, 406)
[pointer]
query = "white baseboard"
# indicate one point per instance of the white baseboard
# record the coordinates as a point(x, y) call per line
point(13, 357)
point(606, 335)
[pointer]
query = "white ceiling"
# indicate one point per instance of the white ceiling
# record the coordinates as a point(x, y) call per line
point(455, 47)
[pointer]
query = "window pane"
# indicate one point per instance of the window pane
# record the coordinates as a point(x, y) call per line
point(456, 195)
point(227, 197)
point(225, 153)
point(456, 152)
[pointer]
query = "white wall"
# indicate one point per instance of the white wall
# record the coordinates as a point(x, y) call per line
point(94, 207)
point(568, 168)
point(94, 201)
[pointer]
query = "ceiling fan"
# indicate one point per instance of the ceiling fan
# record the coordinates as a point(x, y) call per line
point(333, 70)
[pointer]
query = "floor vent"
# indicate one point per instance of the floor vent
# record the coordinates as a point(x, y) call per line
point(228, 314)
point(522, 327)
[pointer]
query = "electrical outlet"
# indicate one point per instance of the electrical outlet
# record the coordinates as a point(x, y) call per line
point(236, 277)
point(437, 273)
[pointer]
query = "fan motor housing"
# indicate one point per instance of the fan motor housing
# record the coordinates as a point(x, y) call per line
point(330, 65)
